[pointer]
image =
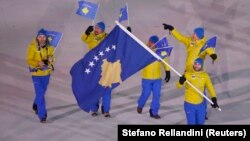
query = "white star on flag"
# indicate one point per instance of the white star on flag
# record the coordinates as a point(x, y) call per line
point(91, 64)
point(113, 47)
point(107, 49)
point(96, 58)
point(101, 53)
point(87, 71)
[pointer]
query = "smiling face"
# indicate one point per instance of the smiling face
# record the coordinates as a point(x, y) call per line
point(98, 30)
point(197, 66)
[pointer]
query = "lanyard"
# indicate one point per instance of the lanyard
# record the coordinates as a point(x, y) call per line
point(39, 48)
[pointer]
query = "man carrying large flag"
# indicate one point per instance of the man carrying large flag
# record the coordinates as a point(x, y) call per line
point(194, 104)
point(196, 45)
point(107, 65)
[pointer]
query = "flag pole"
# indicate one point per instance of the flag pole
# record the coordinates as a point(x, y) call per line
point(159, 58)
point(95, 15)
point(127, 11)
point(159, 41)
point(164, 47)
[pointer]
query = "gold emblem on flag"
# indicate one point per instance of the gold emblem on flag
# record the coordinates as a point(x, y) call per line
point(85, 10)
point(111, 73)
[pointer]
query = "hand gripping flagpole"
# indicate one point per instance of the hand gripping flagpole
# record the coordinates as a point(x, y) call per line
point(159, 58)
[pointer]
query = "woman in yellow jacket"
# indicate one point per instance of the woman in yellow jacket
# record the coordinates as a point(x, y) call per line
point(151, 81)
point(40, 58)
point(195, 104)
point(193, 45)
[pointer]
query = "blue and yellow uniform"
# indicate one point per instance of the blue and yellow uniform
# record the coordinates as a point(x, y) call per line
point(35, 55)
point(151, 82)
point(195, 104)
point(40, 76)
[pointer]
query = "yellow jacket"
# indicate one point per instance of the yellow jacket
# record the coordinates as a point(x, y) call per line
point(153, 70)
point(200, 80)
point(34, 56)
point(93, 40)
point(193, 48)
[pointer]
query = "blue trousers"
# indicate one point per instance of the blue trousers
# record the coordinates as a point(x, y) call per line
point(195, 113)
point(149, 86)
point(106, 100)
point(40, 85)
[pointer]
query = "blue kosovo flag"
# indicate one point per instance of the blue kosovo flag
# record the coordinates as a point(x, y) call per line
point(123, 14)
point(211, 43)
point(54, 37)
point(87, 9)
point(106, 66)
point(162, 48)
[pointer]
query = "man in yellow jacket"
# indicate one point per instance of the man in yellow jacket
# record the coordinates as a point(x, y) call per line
point(193, 45)
point(92, 37)
point(195, 104)
point(40, 58)
point(151, 81)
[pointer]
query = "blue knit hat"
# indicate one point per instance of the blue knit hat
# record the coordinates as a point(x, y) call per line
point(154, 39)
point(42, 32)
point(199, 61)
point(101, 25)
point(199, 31)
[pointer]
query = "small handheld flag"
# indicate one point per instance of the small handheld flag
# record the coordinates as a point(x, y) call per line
point(87, 9)
point(123, 14)
point(211, 43)
point(54, 37)
point(162, 48)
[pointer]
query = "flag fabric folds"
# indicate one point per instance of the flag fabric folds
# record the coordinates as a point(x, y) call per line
point(211, 43)
point(123, 14)
point(87, 9)
point(162, 48)
point(106, 66)
point(54, 37)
